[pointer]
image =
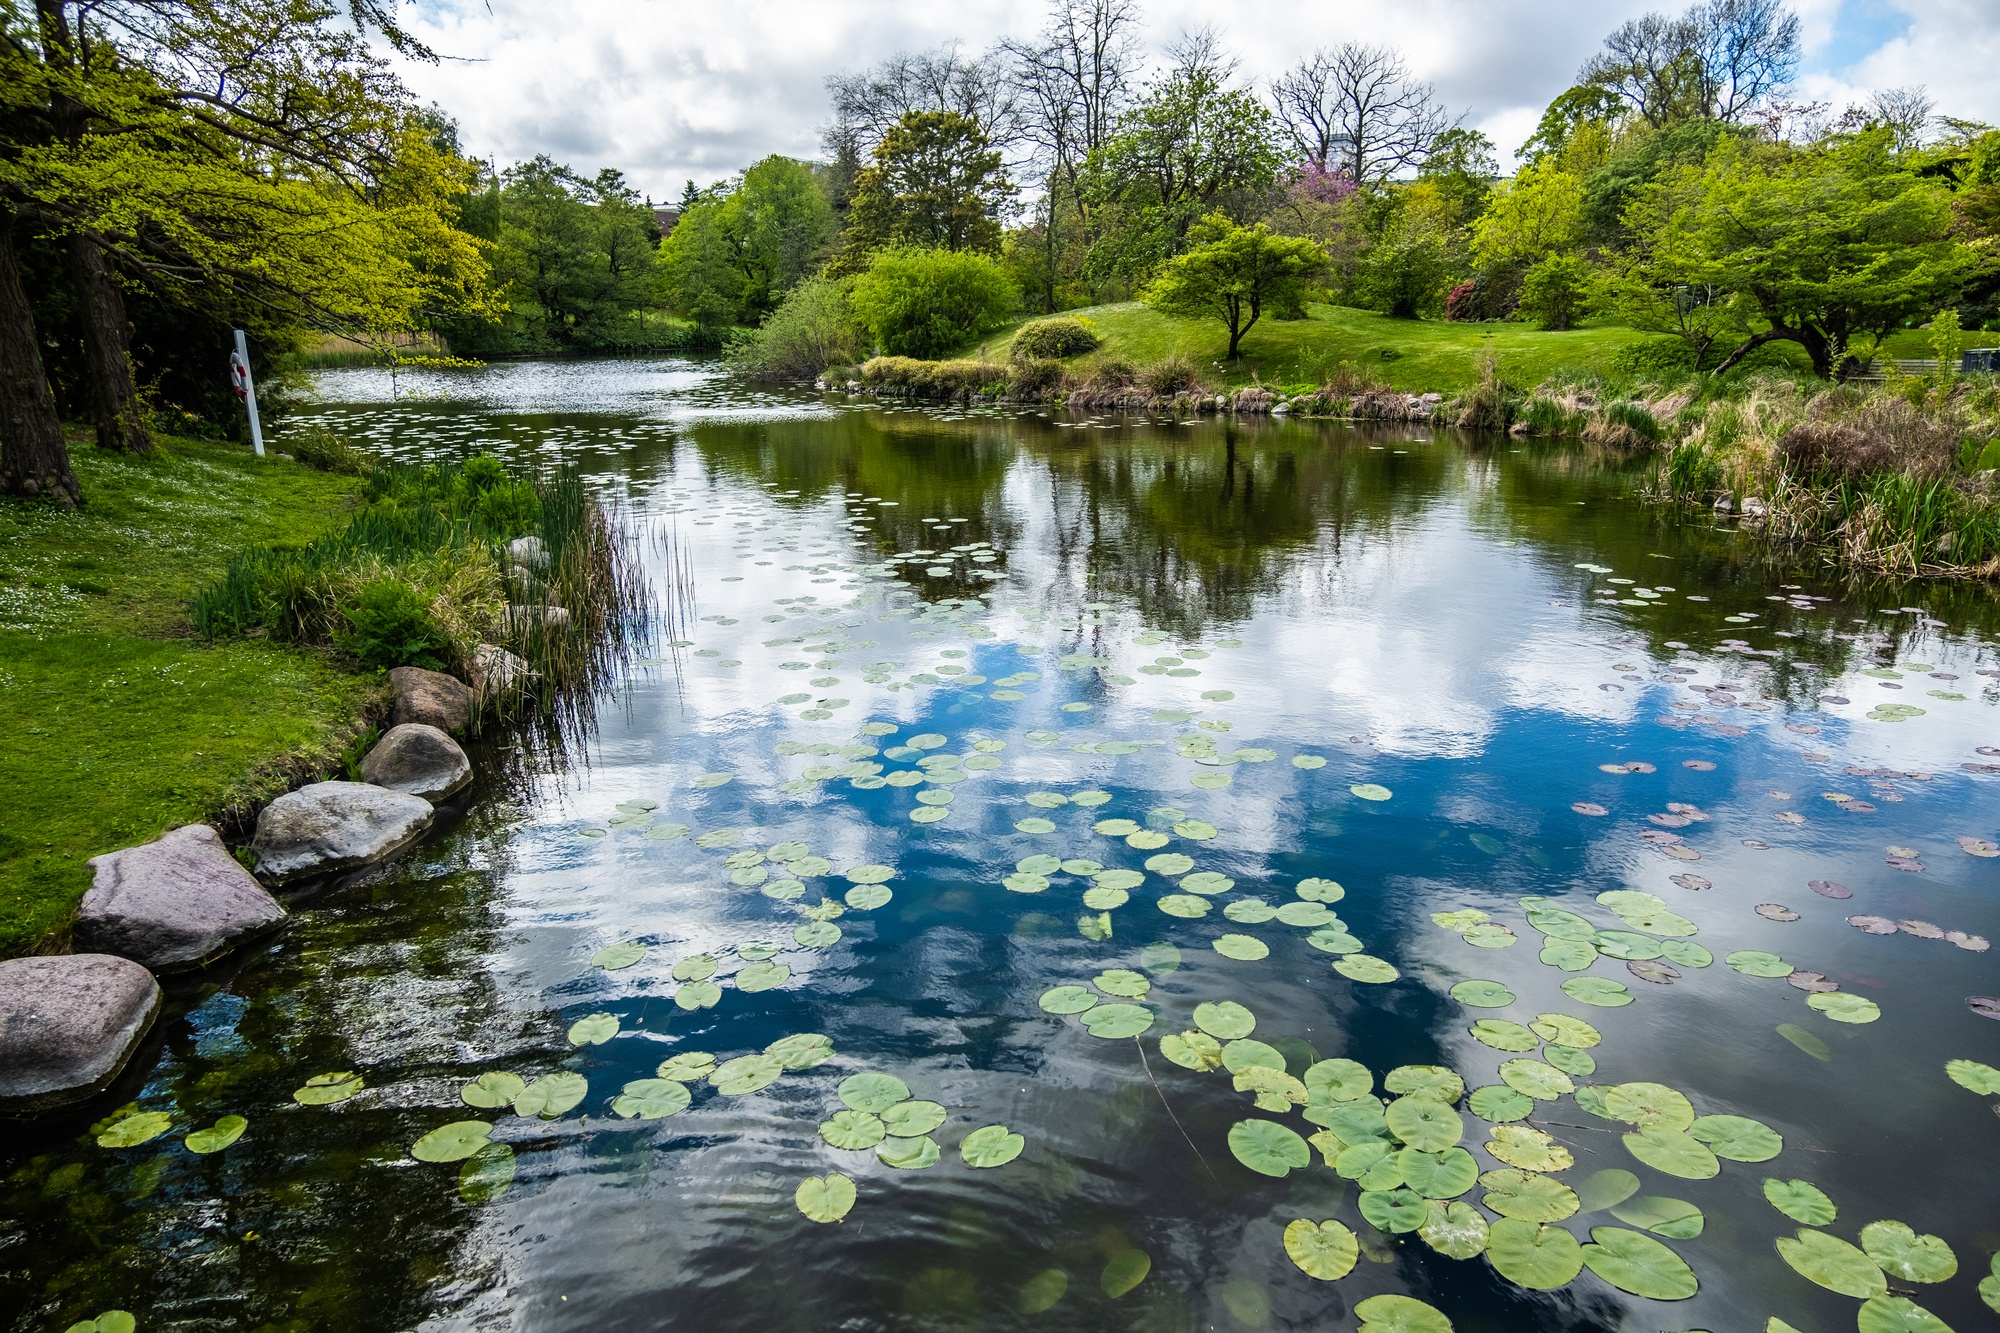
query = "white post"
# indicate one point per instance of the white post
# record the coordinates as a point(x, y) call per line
point(246, 389)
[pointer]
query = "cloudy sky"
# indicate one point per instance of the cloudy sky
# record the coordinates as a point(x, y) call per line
point(669, 91)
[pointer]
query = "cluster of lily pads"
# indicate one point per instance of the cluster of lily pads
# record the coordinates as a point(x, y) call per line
point(880, 1113)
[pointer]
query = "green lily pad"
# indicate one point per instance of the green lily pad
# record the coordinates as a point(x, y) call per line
point(1638, 1264)
point(1758, 963)
point(1600, 991)
point(870, 874)
point(1335, 1080)
point(1528, 1148)
point(1898, 1314)
point(1184, 905)
point(1117, 1020)
point(1225, 1019)
point(1455, 1230)
point(593, 1030)
point(1244, 1052)
point(991, 1145)
point(746, 1074)
point(1267, 1147)
point(1491, 937)
point(1833, 1263)
point(1902, 1253)
point(1800, 1200)
point(1809, 1042)
point(1424, 1123)
point(1499, 1104)
point(1318, 890)
point(1305, 914)
point(1371, 791)
point(824, 1198)
point(1482, 994)
point(801, 1050)
point(1356, 1122)
point(1376, 1163)
point(1504, 1035)
point(1738, 1138)
point(1400, 1314)
point(1365, 968)
point(1675, 1219)
point(1334, 939)
point(1123, 1271)
point(1022, 882)
point(652, 1099)
point(1250, 911)
point(1568, 955)
point(687, 1067)
point(1439, 1175)
point(868, 897)
point(1575, 1063)
point(872, 1091)
point(1207, 882)
point(1192, 1050)
point(614, 956)
point(1538, 1257)
point(552, 1094)
point(1606, 1189)
point(1649, 1105)
point(909, 1119)
point(760, 976)
point(1842, 1007)
point(1974, 1076)
point(1673, 1151)
point(1067, 999)
point(224, 1132)
point(698, 995)
point(1394, 1210)
point(326, 1089)
point(816, 934)
point(1042, 1291)
point(1425, 1081)
point(1527, 1195)
point(1562, 1030)
point(486, 1174)
point(452, 1143)
point(853, 1130)
point(908, 1154)
point(1543, 1082)
point(1170, 864)
point(1324, 1250)
point(1122, 982)
point(1686, 953)
point(1196, 830)
point(1243, 948)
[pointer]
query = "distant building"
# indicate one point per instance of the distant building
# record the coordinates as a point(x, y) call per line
point(665, 218)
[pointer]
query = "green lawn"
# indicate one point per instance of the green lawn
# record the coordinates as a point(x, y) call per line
point(1417, 355)
point(120, 723)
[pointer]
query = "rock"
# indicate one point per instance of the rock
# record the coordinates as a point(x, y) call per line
point(528, 552)
point(417, 759)
point(431, 698)
point(173, 904)
point(497, 673)
point(520, 619)
point(68, 1024)
point(1754, 507)
point(1722, 506)
point(333, 826)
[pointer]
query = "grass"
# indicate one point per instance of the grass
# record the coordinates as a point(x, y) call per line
point(1412, 355)
point(121, 723)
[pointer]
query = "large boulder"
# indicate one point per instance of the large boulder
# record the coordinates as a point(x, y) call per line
point(417, 759)
point(334, 826)
point(430, 697)
point(68, 1024)
point(529, 553)
point(498, 674)
point(173, 904)
point(520, 620)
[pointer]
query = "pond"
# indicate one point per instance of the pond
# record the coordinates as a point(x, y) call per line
point(1171, 796)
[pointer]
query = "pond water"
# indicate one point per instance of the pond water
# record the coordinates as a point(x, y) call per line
point(1386, 748)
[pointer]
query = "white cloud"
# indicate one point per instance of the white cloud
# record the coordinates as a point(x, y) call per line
point(669, 91)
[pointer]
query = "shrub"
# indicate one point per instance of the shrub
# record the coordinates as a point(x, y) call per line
point(1553, 291)
point(1037, 380)
point(926, 303)
point(813, 328)
point(390, 625)
point(931, 379)
point(1882, 435)
point(327, 450)
point(1171, 375)
point(1113, 373)
point(1054, 338)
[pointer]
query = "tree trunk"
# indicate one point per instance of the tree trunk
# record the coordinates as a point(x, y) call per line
point(33, 459)
point(100, 305)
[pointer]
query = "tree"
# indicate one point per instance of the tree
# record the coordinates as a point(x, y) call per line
point(698, 266)
point(934, 183)
point(1553, 290)
point(1718, 61)
point(1539, 213)
point(868, 105)
point(926, 303)
point(1819, 247)
point(33, 459)
point(1462, 167)
point(1231, 273)
point(1357, 108)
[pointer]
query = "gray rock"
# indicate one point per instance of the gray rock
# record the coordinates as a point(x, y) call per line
point(430, 697)
point(68, 1024)
point(497, 673)
point(173, 904)
point(417, 759)
point(521, 619)
point(529, 553)
point(333, 826)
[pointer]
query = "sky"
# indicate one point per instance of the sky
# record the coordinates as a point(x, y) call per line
point(668, 91)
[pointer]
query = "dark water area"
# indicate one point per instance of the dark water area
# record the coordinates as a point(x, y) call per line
point(1285, 653)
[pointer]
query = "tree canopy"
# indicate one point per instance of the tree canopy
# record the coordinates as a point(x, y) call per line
point(1232, 273)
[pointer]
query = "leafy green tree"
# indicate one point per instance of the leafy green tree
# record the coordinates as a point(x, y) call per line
point(699, 269)
point(934, 183)
point(1232, 273)
point(1539, 213)
point(1817, 247)
point(577, 254)
point(927, 303)
point(1407, 269)
point(1555, 289)
point(781, 223)
point(1461, 166)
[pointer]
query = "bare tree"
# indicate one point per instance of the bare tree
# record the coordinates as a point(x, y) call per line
point(1718, 61)
point(1083, 59)
point(1356, 109)
point(1904, 111)
point(867, 103)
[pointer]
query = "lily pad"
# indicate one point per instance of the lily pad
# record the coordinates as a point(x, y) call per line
point(1184, 905)
point(1563, 1030)
point(746, 1074)
point(1543, 1082)
point(493, 1089)
point(552, 1094)
point(1529, 1149)
point(1758, 963)
point(908, 1154)
point(1898, 1314)
point(1738, 1138)
point(1606, 1189)
point(1123, 1271)
point(652, 1099)
point(1192, 1050)
point(1842, 1007)
point(1527, 1196)
point(1242, 1053)
point(1974, 1076)
point(452, 1143)
point(909, 1119)
point(1673, 1151)
point(1394, 1210)
point(1424, 1123)
point(1499, 1103)
point(991, 1145)
point(1439, 1175)
point(1575, 1063)
point(801, 1050)
point(816, 935)
point(1505, 1035)
point(222, 1133)
point(1365, 968)
point(1425, 1081)
point(760, 976)
point(593, 1030)
point(1122, 982)
point(1600, 991)
point(1243, 948)
point(868, 897)
point(698, 995)
point(1800, 1200)
point(1538, 1257)
point(1317, 890)
point(1324, 1250)
point(1225, 1019)
point(1568, 955)
point(1335, 1080)
point(1638, 1264)
point(486, 1174)
point(872, 1091)
point(1067, 999)
point(687, 1067)
point(326, 1089)
point(824, 1198)
point(1833, 1263)
point(614, 956)
point(1455, 1230)
point(1902, 1253)
point(1267, 1147)
point(1400, 1314)
point(1117, 1020)
point(1676, 1219)
point(1482, 994)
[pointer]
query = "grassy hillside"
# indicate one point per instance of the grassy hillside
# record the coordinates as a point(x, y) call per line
point(1406, 354)
point(121, 723)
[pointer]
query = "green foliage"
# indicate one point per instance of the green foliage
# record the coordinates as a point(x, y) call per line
point(1461, 166)
point(1231, 273)
point(812, 329)
point(389, 624)
point(319, 447)
point(933, 379)
point(738, 250)
point(1056, 337)
point(1406, 273)
point(1554, 290)
point(926, 303)
point(935, 183)
point(576, 256)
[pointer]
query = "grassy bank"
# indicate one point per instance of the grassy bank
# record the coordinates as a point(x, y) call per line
point(1412, 355)
point(122, 721)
